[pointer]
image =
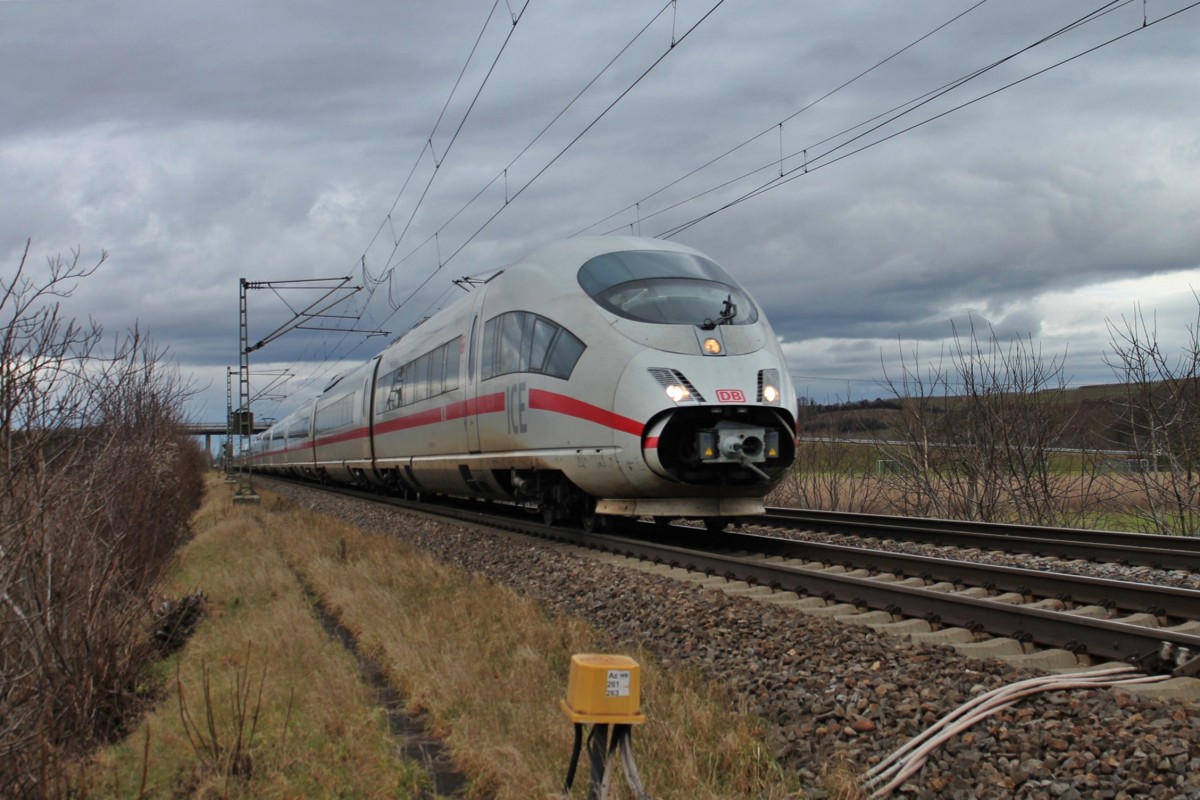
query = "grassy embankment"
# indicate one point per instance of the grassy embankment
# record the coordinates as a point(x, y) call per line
point(286, 714)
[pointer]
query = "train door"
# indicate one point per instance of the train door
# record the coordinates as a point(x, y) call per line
point(471, 418)
point(368, 409)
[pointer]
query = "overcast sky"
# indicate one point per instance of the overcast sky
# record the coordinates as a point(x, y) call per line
point(198, 143)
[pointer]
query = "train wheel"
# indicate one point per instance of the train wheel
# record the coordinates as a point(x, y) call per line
point(590, 520)
point(593, 522)
point(716, 524)
point(549, 515)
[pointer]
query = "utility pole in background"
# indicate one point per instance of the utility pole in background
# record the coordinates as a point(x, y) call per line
point(227, 451)
point(242, 418)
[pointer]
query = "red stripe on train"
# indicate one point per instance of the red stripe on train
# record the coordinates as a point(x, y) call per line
point(539, 399)
point(562, 404)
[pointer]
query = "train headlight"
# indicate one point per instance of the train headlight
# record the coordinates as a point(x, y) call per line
point(712, 347)
point(676, 385)
point(768, 386)
point(678, 393)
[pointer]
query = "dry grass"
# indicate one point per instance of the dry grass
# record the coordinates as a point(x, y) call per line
point(317, 732)
point(485, 667)
point(489, 669)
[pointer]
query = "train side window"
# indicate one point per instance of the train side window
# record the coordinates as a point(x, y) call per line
point(491, 337)
point(419, 380)
point(543, 335)
point(564, 355)
point(429, 375)
point(519, 341)
point(511, 327)
point(527, 325)
point(337, 414)
point(437, 371)
point(391, 391)
point(298, 429)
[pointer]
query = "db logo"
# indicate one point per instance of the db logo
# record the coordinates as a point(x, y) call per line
point(730, 396)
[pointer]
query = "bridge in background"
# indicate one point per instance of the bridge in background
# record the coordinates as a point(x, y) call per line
point(210, 429)
point(219, 428)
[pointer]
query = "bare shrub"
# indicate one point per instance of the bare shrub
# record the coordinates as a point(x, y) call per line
point(225, 742)
point(986, 434)
point(98, 484)
point(830, 472)
point(1162, 421)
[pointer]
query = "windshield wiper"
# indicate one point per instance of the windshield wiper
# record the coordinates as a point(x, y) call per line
point(728, 312)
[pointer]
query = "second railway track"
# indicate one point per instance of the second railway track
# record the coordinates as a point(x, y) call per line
point(1071, 614)
point(1076, 620)
point(1134, 549)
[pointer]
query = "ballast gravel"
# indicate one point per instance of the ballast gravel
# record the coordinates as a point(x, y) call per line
point(833, 693)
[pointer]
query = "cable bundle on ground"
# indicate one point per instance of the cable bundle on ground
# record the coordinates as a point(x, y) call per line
point(908, 759)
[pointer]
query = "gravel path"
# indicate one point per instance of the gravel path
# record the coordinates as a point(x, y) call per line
point(832, 692)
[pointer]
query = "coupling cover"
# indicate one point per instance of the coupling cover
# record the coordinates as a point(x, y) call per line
point(732, 442)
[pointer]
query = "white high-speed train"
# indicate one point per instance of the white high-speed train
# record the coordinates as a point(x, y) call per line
point(597, 376)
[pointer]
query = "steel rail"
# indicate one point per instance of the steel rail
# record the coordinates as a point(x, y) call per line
point(1135, 549)
point(1161, 601)
point(1150, 649)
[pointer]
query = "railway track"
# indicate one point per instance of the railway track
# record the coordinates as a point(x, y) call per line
point(1064, 620)
point(1005, 610)
point(1134, 549)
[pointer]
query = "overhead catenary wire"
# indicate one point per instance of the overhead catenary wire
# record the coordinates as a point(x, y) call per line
point(887, 117)
point(397, 239)
point(779, 125)
point(504, 172)
point(438, 161)
point(798, 172)
point(388, 274)
point(396, 306)
point(372, 282)
point(557, 156)
point(428, 145)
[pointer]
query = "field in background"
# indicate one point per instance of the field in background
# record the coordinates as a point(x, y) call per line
point(1013, 448)
point(1102, 491)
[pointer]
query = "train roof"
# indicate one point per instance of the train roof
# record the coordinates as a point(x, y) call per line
point(570, 254)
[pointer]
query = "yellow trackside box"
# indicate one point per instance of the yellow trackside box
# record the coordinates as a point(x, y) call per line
point(604, 689)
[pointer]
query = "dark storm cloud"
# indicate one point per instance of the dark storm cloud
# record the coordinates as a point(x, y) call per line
point(171, 64)
point(200, 143)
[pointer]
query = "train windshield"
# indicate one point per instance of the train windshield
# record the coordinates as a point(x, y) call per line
point(666, 288)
